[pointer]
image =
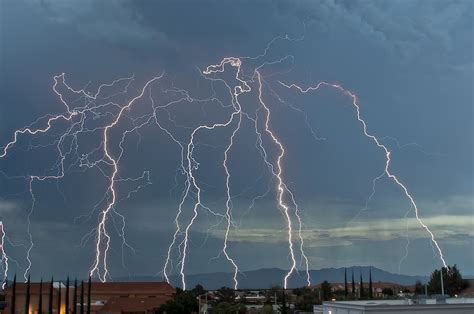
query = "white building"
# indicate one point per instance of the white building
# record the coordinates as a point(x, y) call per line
point(407, 306)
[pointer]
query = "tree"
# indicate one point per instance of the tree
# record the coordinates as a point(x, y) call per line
point(361, 287)
point(452, 280)
point(326, 290)
point(198, 290)
point(74, 298)
point(66, 302)
point(223, 308)
point(13, 296)
point(89, 296)
point(371, 292)
point(50, 301)
point(27, 298)
point(40, 298)
point(267, 309)
point(284, 308)
point(305, 298)
point(225, 294)
point(346, 292)
point(185, 302)
point(82, 298)
point(419, 289)
point(387, 292)
point(353, 285)
point(240, 308)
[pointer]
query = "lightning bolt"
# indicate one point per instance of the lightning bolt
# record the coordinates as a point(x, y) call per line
point(4, 256)
point(235, 118)
point(380, 145)
point(77, 116)
point(103, 237)
point(236, 114)
point(187, 166)
point(99, 115)
point(407, 244)
point(280, 187)
point(28, 230)
point(277, 172)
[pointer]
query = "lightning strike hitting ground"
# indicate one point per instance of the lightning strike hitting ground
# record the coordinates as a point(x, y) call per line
point(387, 152)
point(108, 152)
point(102, 234)
point(3, 255)
point(76, 117)
point(281, 186)
point(190, 147)
point(236, 91)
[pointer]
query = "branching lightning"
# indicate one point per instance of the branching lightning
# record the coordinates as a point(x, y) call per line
point(3, 255)
point(384, 148)
point(103, 238)
point(100, 116)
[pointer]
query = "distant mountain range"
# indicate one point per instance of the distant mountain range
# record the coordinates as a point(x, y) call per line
point(269, 277)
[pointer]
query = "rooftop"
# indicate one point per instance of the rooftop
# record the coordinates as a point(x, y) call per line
point(446, 303)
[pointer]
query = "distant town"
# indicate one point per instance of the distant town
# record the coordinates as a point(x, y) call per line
point(445, 292)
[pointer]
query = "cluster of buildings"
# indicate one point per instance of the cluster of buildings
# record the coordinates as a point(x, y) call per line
point(109, 297)
point(379, 289)
point(147, 297)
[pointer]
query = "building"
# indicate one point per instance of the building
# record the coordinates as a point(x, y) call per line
point(20, 298)
point(407, 306)
point(109, 297)
point(377, 288)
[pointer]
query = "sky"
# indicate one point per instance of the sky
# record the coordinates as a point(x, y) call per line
point(410, 63)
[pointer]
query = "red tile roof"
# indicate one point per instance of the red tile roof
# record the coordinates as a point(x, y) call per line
point(34, 287)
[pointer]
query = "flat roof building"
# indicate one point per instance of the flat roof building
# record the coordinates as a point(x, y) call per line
point(407, 306)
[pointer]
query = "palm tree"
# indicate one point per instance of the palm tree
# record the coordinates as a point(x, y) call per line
point(40, 300)
point(13, 295)
point(27, 299)
point(50, 304)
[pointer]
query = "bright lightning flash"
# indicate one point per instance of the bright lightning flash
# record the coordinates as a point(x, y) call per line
point(384, 148)
point(100, 116)
point(3, 255)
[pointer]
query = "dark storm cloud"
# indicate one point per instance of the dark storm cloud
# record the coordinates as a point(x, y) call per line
point(410, 62)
